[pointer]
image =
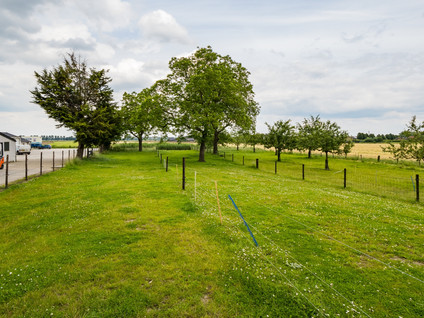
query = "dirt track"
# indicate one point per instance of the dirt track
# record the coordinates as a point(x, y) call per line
point(17, 169)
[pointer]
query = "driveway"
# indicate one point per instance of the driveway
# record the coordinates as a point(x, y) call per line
point(17, 169)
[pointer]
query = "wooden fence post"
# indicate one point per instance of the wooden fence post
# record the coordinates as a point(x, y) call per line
point(303, 171)
point(62, 157)
point(6, 182)
point(378, 158)
point(166, 164)
point(257, 163)
point(41, 163)
point(53, 160)
point(275, 167)
point(344, 184)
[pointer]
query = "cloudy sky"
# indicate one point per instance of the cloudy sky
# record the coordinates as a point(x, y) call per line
point(359, 63)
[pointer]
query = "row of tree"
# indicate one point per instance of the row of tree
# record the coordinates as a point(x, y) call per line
point(204, 95)
point(54, 137)
point(309, 135)
point(367, 137)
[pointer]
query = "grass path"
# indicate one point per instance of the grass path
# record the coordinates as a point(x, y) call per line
point(115, 236)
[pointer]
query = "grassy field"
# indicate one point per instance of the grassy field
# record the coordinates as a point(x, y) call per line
point(115, 236)
point(62, 144)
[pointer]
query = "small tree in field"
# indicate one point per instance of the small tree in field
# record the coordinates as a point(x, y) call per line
point(141, 114)
point(281, 136)
point(413, 146)
point(347, 146)
point(330, 139)
point(308, 134)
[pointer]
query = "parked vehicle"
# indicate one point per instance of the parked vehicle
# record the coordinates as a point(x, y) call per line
point(1, 156)
point(36, 145)
point(22, 149)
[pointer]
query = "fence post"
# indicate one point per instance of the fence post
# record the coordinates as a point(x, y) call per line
point(417, 186)
point(183, 173)
point(41, 163)
point(243, 160)
point(63, 155)
point(26, 166)
point(344, 178)
point(166, 164)
point(257, 163)
point(378, 158)
point(275, 167)
point(6, 182)
point(303, 171)
point(161, 158)
point(53, 160)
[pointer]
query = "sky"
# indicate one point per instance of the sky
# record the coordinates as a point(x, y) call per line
point(358, 63)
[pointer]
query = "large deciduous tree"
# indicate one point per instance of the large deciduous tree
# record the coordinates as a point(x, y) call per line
point(140, 114)
point(281, 136)
point(206, 93)
point(80, 99)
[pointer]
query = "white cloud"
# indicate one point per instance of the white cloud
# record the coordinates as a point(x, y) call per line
point(163, 26)
point(104, 15)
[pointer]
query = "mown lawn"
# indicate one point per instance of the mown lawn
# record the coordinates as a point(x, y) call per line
point(115, 236)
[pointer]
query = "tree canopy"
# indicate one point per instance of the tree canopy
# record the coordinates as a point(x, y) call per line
point(331, 138)
point(140, 114)
point(281, 136)
point(80, 99)
point(205, 94)
point(412, 146)
point(308, 134)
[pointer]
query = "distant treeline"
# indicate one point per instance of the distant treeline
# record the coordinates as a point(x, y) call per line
point(364, 137)
point(52, 137)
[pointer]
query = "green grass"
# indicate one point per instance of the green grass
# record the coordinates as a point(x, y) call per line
point(116, 236)
point(62, 144)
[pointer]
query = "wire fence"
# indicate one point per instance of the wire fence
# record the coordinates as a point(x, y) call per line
point(376, 181)
point(39, 162)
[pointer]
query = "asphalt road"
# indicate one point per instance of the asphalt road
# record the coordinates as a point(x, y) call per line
point(35, 166)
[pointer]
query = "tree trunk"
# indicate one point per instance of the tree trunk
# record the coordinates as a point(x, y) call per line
point(80, 150)
point(202, 151)
point(215, 142)
point(237, 147)
point(140, 141)
point(326, 161)
point(309, 153)
point(279, 154)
